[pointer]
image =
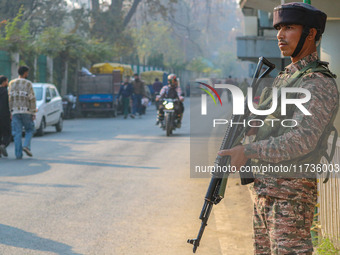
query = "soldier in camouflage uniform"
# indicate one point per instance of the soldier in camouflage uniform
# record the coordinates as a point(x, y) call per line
point(284, 207)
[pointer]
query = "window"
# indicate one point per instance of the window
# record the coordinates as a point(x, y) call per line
point(53, 92)
point(47, 93)
point(38, 93)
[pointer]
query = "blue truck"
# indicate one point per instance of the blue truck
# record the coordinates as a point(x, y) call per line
point(96, 93)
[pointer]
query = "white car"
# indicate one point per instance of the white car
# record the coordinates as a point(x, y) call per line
point(49, 108)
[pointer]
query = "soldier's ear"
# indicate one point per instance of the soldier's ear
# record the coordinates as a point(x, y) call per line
point(312, 34)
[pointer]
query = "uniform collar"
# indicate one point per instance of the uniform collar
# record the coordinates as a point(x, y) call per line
point(293, 67)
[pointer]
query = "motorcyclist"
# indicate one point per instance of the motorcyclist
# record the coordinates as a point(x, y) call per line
point(173, 91)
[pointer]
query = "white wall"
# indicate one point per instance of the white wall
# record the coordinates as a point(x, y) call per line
point(330, 52)
point(250, 26)
point(330, 48)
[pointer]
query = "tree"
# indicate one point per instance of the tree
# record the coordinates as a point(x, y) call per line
point(201, 65)
point(15, 38)
point(163, 44)
point(39, 13)
point(109, 22)
point(227, 62)
point(97, 51)
point(54, 42)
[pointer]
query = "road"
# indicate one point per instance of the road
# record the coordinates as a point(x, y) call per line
point(114, 186)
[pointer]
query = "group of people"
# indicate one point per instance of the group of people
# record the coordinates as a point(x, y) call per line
point(136, 92)
point(17, 113)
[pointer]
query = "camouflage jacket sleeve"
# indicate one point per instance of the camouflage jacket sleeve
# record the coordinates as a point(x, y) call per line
point(303, 138)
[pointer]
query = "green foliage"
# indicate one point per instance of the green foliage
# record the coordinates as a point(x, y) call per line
point(55, 42)
point(9, 8)
point(50, 42)
point(226, 62)
point(156, 38)
point(107, 27)
point(125, 46)
point(97, 51)
point(156, 59)
point(324, 246)
point(200, 65)
point(74, 46)
point(15, 36)
point(38, 13)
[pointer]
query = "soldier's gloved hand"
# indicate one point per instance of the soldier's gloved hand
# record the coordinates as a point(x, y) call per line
point(238, 158)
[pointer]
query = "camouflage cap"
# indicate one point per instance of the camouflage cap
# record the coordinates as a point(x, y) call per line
point(300, 14)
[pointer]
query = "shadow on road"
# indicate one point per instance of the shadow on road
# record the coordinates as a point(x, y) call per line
point(15, 237)
point(8, 186)
point(88, 163)
point(23, 167)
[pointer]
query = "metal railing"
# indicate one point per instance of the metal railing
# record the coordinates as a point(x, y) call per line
point(329, 202)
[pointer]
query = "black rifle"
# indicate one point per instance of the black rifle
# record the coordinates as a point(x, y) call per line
point(233, 136)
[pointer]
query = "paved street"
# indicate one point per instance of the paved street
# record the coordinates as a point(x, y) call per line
point(114, 186)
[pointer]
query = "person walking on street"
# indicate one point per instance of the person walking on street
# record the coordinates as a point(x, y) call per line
point(157, 86)
point(284, 203)
point(22, 104)
point(125, 92)
point(138, 93)
point(5, 117)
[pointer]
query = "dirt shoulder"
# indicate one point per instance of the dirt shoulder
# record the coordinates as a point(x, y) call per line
point(233, 218)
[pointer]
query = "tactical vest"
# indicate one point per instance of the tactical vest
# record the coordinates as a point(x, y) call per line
point(267, 130)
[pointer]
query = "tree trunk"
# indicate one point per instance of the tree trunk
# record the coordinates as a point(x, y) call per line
point(15, 57)
point(95, 5)
point(35, 63)
point(116, 7)
point(75, 89)
point(49, 63)
point(131, 12)
point(64, 80)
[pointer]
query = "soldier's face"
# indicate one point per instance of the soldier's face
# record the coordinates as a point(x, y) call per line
point(288, 37)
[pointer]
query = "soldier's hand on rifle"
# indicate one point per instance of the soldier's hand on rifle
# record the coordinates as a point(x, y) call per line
point(238, 158)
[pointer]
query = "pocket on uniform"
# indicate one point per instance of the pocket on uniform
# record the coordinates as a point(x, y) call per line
point(259, 213)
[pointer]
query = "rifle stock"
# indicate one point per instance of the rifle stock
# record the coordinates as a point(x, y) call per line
point(233, 137)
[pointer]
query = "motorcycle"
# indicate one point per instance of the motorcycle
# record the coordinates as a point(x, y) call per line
point(170, 117)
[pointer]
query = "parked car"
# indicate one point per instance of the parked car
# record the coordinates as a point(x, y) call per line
point(49, 108)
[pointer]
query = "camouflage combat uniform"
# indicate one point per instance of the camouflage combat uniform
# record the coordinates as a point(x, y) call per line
point(284, 207)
